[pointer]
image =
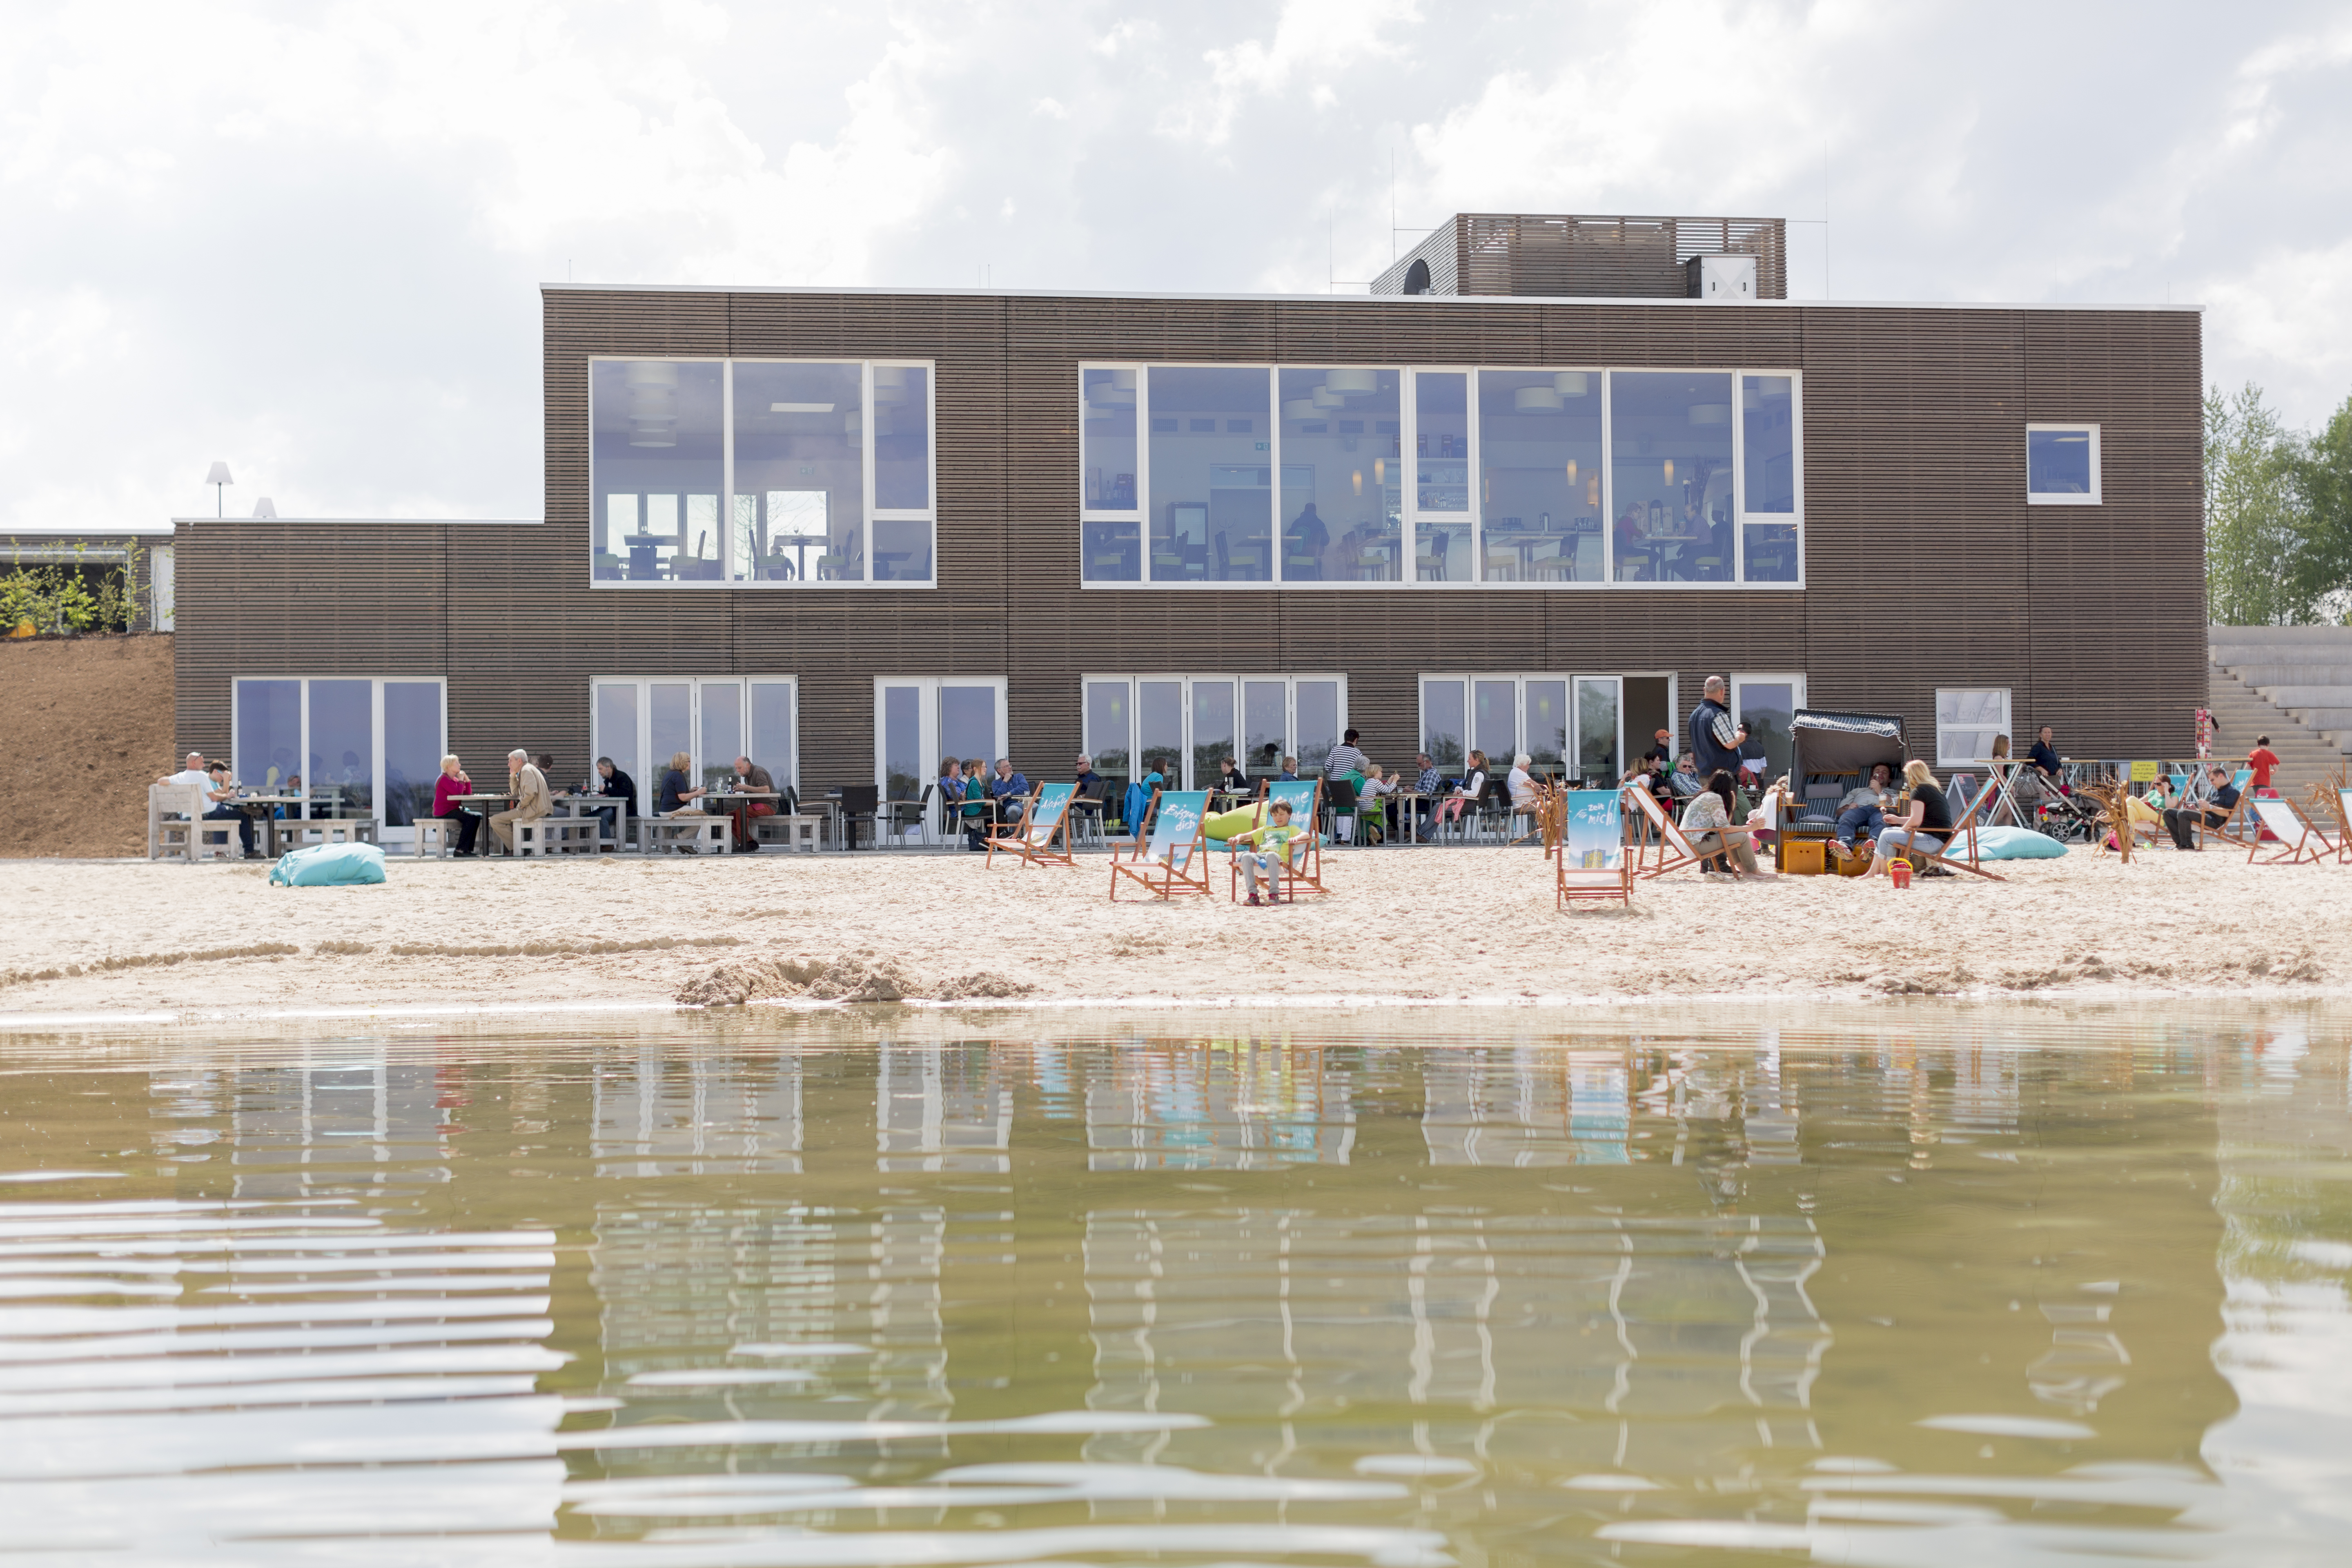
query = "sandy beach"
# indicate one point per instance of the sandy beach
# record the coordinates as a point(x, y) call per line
point(1454, 924)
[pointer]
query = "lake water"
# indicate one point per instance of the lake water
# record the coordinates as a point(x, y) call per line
point(1916, 1286)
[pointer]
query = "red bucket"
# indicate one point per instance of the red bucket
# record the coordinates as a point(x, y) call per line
point(1901, 871)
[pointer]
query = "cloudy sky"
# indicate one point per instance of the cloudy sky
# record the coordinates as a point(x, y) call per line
point(306, 238)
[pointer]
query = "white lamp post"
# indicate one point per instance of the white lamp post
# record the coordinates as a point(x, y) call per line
point(217, 479)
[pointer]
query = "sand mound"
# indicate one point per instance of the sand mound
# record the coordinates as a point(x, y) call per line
point(89, 728)
point(862, 976)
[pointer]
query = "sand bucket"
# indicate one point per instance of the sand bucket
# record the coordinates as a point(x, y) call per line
point(1901, 872)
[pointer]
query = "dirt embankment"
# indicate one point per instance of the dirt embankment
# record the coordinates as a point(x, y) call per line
point(89, 724)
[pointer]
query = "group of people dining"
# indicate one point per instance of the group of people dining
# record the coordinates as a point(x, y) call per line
point(751, 792)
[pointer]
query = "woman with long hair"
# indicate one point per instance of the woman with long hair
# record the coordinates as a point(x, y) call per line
point(1706, 821)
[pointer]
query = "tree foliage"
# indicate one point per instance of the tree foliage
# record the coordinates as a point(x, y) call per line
point(2278, 514)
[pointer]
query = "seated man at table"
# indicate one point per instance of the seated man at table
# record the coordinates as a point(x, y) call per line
point(613, 785)
point(213, 783)
point(1684, 779)
point(1093, 795)
point(751, 778)
point(1010, 790)
point(1863, 810)
point(527, 787)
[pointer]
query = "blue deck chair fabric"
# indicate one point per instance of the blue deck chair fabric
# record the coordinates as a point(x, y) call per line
point(1175, 830)
point(1052, 804)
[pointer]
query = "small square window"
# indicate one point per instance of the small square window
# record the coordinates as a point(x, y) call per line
point(2062, 465)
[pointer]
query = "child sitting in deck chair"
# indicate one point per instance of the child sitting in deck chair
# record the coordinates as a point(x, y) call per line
point(1274, 841)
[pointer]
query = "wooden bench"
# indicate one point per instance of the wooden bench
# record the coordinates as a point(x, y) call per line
point(559, 836)
point(298, 832)
point(440, 833)
point(690, 833)
point(800, 832)
point(172, 813)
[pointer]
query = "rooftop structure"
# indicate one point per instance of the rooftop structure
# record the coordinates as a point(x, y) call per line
point(1581, 256)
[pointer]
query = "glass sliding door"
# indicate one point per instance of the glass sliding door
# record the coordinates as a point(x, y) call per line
point(1265, 726)
point(361, 746)
point(1159, 722)
point(774, 742)
point(1599, 729)
point(1494, 719)
point(921, 722)
point(411, 749)
point(1212, 729)
point(722, 731)
point(1767, 705)
point(1445, 721)
point(615, 717)
point(1110, 737)
point(1320, 715)
point(1547, 723)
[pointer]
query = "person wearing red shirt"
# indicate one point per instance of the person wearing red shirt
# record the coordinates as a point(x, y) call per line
point(2261, 759)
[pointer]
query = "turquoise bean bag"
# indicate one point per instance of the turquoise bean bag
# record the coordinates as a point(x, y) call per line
point(2015, 844)
point(329, 865)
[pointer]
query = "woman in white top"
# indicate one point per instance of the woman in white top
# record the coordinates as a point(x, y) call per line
point(1473, 784)
point(1522, 784)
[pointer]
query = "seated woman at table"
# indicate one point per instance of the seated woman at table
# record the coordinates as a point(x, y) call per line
point(1374, 811)
point(1706, 822)
point(976, 801)
point(1231, 777)
point(1472, 785)
point(452, 784)
point(678, 797)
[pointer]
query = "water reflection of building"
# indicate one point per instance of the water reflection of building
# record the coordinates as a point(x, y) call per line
point(1235, 1106)
point(1527, 1106)
point(331, 1119)
point(696, 1115)
point(942, 1108)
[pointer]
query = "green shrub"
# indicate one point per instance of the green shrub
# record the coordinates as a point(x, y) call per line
point(69, 600)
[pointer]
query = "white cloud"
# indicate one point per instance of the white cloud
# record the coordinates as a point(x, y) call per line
point(307, 239)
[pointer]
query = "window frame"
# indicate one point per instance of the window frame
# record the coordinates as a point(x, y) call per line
point(1089, 743)
point(1568, 766)
point(1944, 756)
point(927, 689)
point(871, 513)
point(389, 834)
point(1412, 518)
point(2061, 498)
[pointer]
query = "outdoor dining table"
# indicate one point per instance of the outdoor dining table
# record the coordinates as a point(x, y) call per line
point(263, 810)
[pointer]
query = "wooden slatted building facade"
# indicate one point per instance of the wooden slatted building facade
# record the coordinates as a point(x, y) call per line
point(1925, 567)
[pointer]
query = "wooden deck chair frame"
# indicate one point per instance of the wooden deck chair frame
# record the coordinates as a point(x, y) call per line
point(1571, 884)
point(2306, 844)
point(2231, 826)
point(1303, 864)
point(1169, 873)
point(1964, 827)
point(2342, 797)
point(1025, 843)
point(1674, 844)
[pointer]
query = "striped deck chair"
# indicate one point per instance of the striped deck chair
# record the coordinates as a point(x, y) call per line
point(1304, 865)
point(1592, 863)
point(1045, 819)
point(1172, 860)
point(1672, 846)
point(2299, 841)
point(1963, 830)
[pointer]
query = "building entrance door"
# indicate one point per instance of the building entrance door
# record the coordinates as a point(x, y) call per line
point(919, 722)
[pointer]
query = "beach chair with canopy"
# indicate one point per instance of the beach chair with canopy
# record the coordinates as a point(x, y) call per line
point(1305, 867)
point(1959, 850)
point(1170, 860)
point(1830, 752)
point(1046, 819)
point(2299, 841)
point(1591, 862)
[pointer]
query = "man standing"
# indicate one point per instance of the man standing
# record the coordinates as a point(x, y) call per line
point(1346, 758)
point(2184, 820)
point(527, 787)
point(1714, 739)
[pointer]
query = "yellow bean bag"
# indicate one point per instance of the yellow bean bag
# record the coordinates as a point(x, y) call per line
point(1224, 825)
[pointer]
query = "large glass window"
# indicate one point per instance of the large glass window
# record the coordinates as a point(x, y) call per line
point(1670, 475)
point(642, 721)
point(1280, 475)
point(1539, 475)
point(356, 745)
point(921, 722)
point(1767, 705)
point(826, 469)
point(1441, 485)
point(2062, 465)
point(1112, 531)
point(1184, 726)
point(800, 473)
point(1212, 475)
point(1342, 484)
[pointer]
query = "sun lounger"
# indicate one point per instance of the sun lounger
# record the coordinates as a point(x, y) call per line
point(1045, 819)
point(1172, 860)
point(2298, 840)
point(1591, 862)
point(1673, 847)
point(1959, 850)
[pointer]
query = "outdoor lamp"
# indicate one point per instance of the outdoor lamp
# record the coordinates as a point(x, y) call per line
point(217, 479)
point(266, 507)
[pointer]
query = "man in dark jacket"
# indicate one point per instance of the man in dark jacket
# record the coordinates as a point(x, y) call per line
point(2044, 756)
point(1713, 738)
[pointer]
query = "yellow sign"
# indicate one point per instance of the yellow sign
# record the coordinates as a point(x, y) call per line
point(2143, 773)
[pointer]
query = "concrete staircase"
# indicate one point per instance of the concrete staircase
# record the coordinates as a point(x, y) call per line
point(2290, 683)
